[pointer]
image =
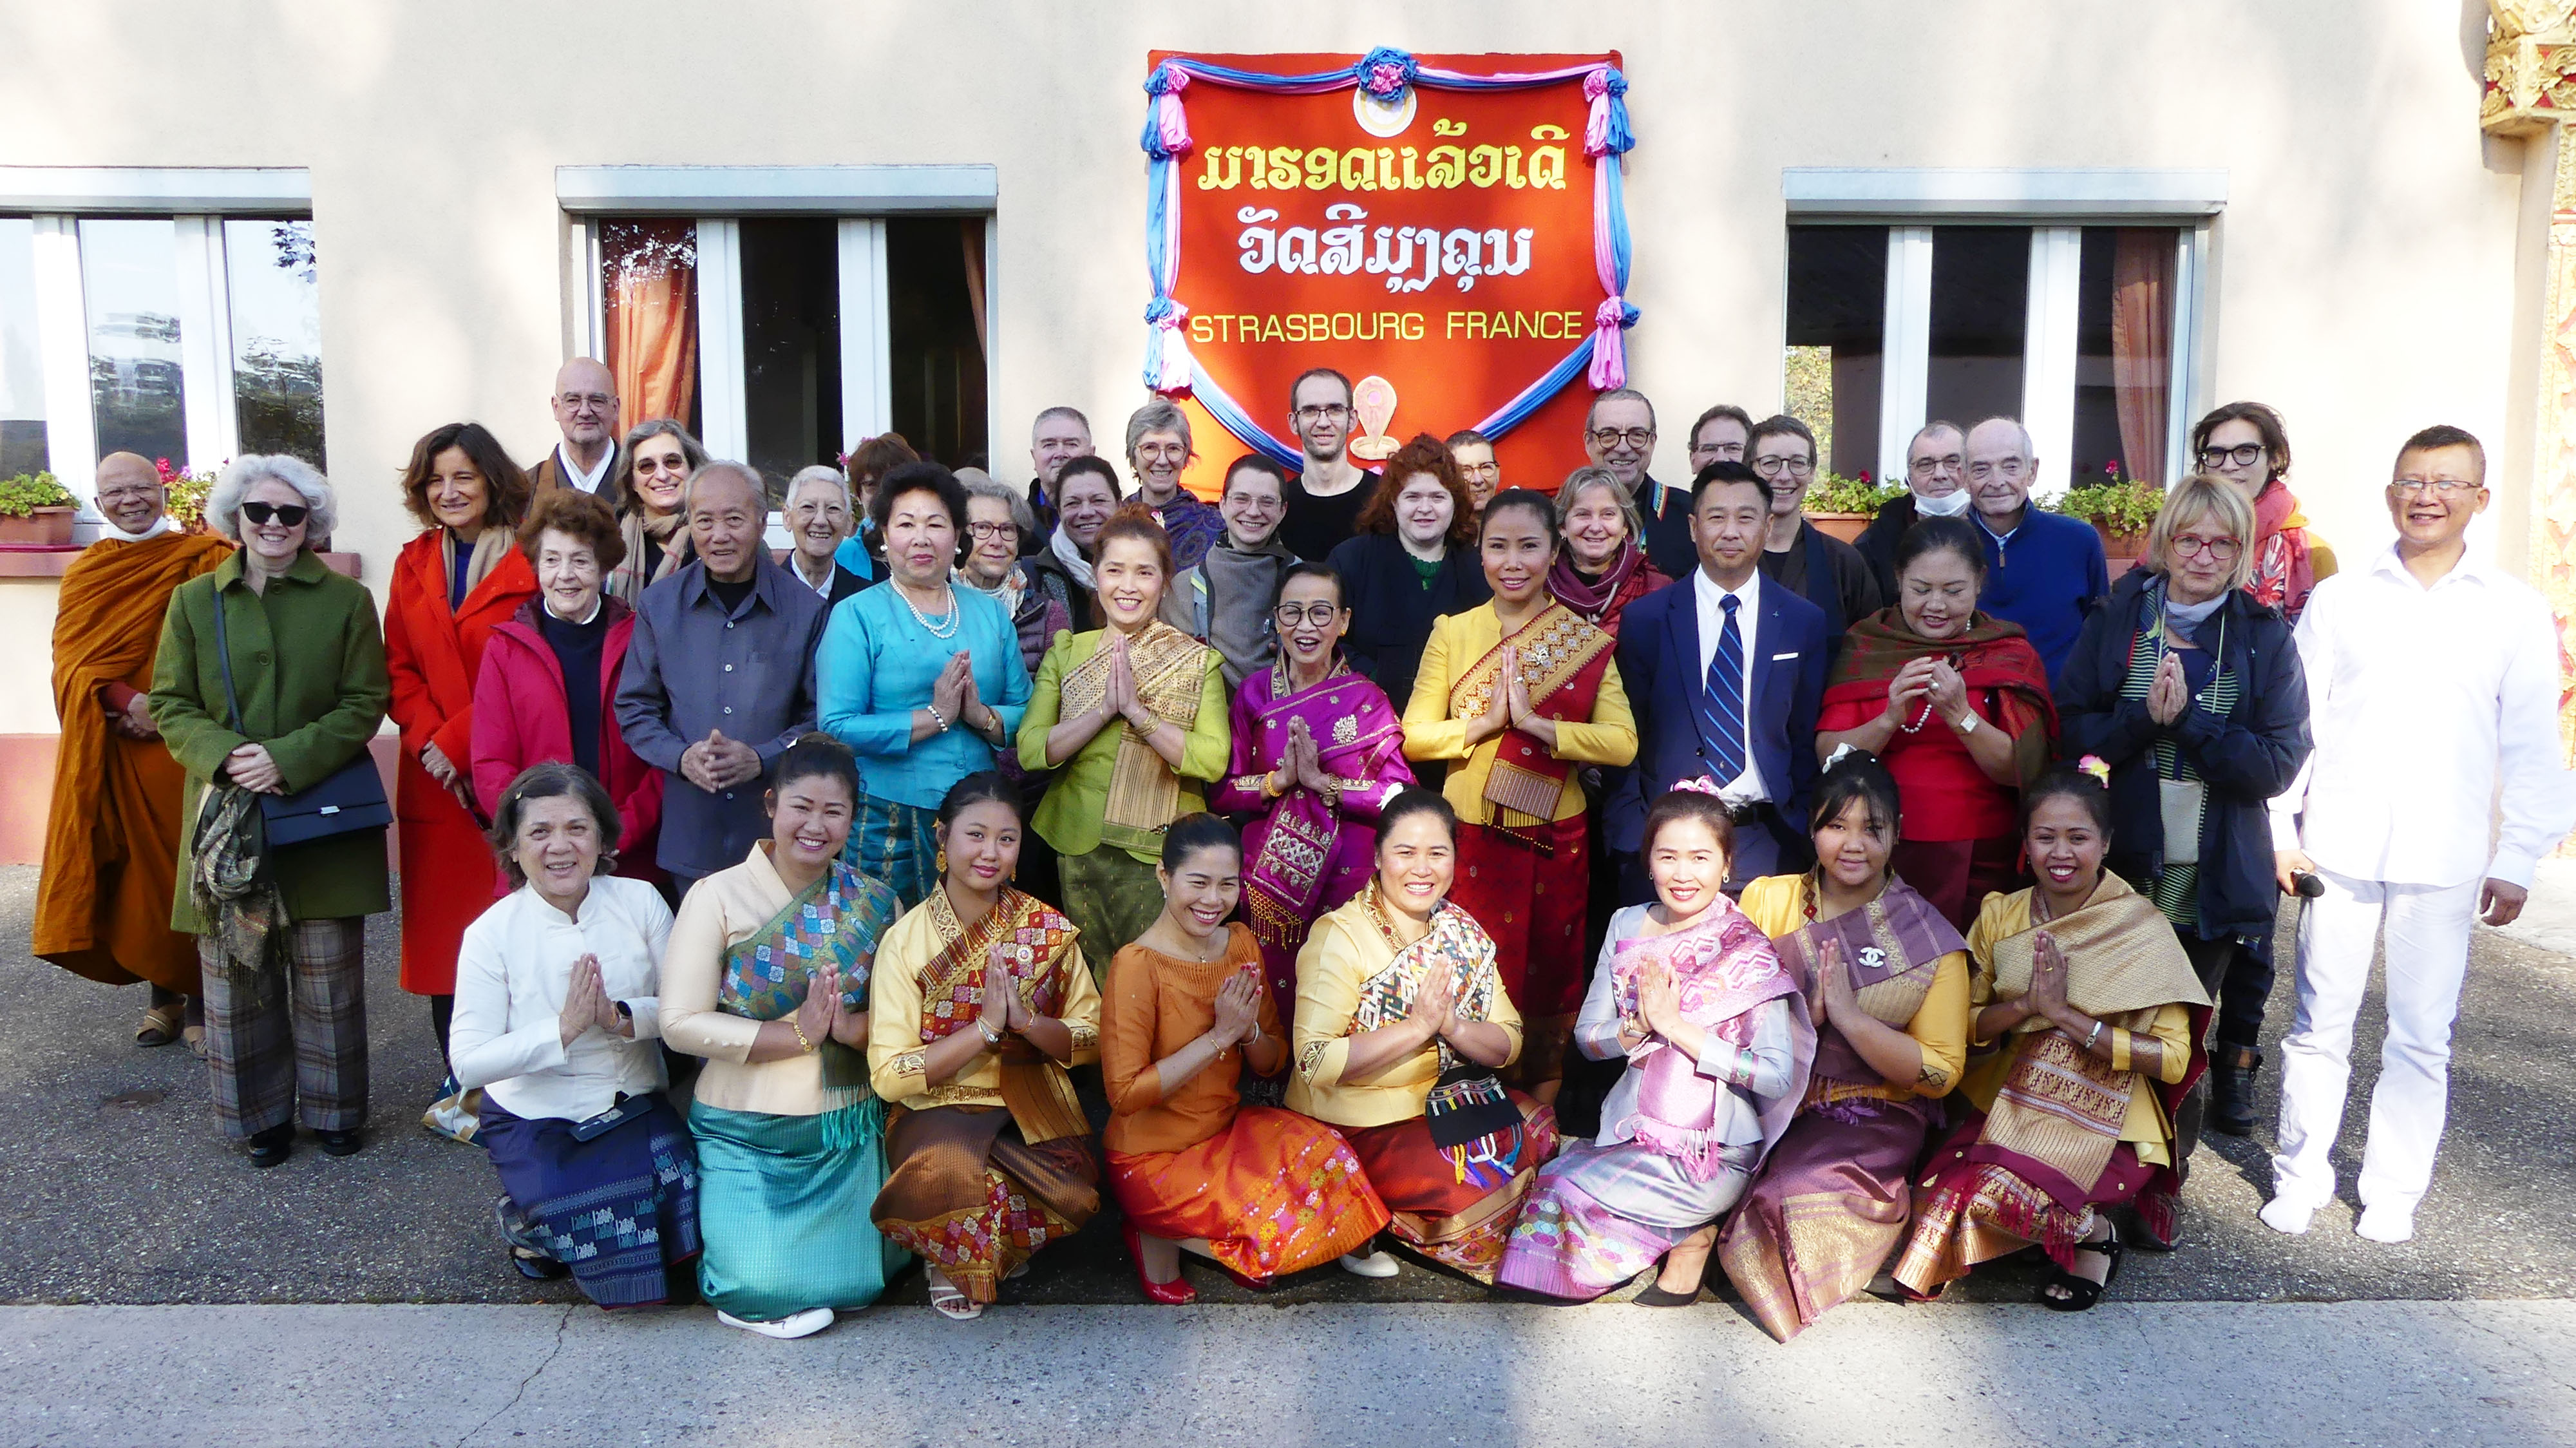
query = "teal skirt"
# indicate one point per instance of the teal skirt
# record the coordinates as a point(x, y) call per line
point(895, 843)
point(783, 1212)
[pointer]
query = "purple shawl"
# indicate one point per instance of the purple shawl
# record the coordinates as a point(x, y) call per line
point(1896, 936)
point(1723, 967)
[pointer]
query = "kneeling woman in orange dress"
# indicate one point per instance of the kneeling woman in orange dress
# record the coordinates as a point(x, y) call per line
point(1402, 1023)
point(1259, 1191)
point(2097, 1016)
point(979, 1003)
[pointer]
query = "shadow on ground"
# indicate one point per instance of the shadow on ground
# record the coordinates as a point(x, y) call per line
point(144, 1203)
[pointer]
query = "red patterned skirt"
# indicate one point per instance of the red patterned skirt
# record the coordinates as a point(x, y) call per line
point(1273, 1193)
point(1437, 1213)
point(1528, 889)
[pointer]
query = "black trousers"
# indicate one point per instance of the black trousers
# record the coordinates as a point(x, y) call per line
point(2239, 978)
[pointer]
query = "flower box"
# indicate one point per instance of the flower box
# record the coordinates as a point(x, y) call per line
point(1846, 527)
point(48, 527)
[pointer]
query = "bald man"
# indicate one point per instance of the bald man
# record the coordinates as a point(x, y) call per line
point(585, 404)
point(112, 834)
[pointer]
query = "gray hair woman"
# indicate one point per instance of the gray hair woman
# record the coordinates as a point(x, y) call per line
point(1602, 568)
point(2191, 689)
point(653, 474)
point(819, 519)
point(1158, 452)
point(280, 927)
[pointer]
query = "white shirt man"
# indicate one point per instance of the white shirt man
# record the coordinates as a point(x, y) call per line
point(2432, 681)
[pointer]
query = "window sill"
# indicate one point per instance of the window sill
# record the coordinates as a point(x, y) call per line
point(53, 562)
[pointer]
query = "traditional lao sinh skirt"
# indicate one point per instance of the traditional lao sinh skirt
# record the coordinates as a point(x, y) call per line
point(975, 1199)
point(1273, 1193)
point(620, 1209)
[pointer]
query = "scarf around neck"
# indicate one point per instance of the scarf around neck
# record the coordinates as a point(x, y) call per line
point(2284, 574)
point(1240, 587)
point(1723, 966)
point(1069, 553)
point(1006, 593)
point(1593, 599)
point(164, 524)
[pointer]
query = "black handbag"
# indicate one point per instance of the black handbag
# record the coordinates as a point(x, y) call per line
point(350, 800)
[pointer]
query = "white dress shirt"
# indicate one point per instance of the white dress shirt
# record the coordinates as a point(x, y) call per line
point(1745, 788)
point(1763, 1069)
point(592, 480)
point(2420, 700)
point(511, 974)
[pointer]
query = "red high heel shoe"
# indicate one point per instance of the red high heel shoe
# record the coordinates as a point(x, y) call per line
point(1175, 1293)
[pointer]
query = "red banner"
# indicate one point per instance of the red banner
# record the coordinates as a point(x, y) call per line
point(1444, 243)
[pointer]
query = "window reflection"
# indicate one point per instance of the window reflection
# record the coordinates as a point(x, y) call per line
point(791, 344)
point(935, 342)
point(22, 382)
point(277, 337)
point(649, 301)
point(130, 286)
point(1837, 330)
point(1980, 318)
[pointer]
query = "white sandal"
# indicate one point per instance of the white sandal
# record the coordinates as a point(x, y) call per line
point(1370, 1264)
point(951, 1303)
point(795, 1325)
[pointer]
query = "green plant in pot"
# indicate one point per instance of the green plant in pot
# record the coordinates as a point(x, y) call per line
point(1834, 493)
point(2120, 506)
point(36, 509)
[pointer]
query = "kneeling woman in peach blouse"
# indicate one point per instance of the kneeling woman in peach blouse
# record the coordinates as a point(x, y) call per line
point(1259, 1191)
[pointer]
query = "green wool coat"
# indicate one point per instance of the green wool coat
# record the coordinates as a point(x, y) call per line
point(309, 665)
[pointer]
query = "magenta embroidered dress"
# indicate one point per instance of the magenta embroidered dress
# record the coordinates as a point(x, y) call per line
point(1304, 854)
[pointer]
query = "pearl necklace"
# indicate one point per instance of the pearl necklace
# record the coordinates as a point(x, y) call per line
point(1919, 720)
point(936, 631)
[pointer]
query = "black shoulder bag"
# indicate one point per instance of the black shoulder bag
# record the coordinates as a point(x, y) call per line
point(350, 800)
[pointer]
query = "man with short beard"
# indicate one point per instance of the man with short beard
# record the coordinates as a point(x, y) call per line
point(585, 408)
point(1936, 483)
point(720, 676)
point(112, 833)
point(1325, 500)
point(1224, 601)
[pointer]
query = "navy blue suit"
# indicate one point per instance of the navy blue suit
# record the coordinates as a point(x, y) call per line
point(1659, 666)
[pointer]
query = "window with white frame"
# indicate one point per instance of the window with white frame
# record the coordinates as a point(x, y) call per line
point(1921, 295)
point(190, 338)
point(783, 340)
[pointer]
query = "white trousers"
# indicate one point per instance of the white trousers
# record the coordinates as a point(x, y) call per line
point(2428, 954)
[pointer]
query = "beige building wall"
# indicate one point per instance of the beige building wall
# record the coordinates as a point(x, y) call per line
point(2364, 269)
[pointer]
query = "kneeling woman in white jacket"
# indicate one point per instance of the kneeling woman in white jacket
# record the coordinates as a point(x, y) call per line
point(557, 1015)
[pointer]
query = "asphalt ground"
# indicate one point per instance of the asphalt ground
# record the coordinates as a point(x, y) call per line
point(121, 1189)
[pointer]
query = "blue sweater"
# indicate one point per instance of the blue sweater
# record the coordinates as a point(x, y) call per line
point(2046, 577)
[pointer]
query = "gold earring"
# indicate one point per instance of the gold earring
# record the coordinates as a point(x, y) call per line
point(943, 861)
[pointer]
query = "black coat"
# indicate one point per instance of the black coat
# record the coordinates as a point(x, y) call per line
point(1391, 612)
point(2244, 757)
point(1877, 542)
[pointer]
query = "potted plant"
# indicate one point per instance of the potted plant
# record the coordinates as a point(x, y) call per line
point(1841, 507)
point(2120, 508)
point(36, 511)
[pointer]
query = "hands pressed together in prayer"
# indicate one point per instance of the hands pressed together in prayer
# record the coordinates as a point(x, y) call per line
point(1301, 764)
point(1238, 1010)
point(716, 764)
point(1510, 707)
point(587, 1004)
point(2170, 694)
point(953, 698)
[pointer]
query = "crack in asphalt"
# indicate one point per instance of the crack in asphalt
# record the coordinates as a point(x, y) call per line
point(2552, 1369)
point(563, 1324)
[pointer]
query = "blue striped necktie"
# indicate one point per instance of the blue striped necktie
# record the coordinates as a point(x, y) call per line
point(1721, 701)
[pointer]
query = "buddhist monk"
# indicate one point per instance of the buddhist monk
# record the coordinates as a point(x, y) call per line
point(112, 839)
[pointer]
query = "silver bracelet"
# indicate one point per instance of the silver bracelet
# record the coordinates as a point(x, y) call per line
point(2095, 1035)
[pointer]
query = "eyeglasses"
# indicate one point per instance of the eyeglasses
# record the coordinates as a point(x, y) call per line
point(1774, 467)
point(1334, 413)
point(1481, 470)
point(2007, 467)
point(586, 401)
point(985, 530)
point(288, 515)
point(1606, 438)
point(1313, 615)
point(2444, 488)
point(2243, 455)
point(2223, 550)
point(676, 467)
point(1934, 467)
point(1710, 452)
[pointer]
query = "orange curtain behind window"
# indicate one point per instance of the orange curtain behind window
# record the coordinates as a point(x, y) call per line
point(2142, 283)
point(649, 290)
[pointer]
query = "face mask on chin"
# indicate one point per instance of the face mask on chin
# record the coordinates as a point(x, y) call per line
point(1949, 505)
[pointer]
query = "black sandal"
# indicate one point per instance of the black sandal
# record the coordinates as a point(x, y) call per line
point(1655, 1296)
point(2083, 1292)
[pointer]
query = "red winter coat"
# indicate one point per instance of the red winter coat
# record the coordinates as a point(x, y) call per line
point(520, 719)
point(434, 656)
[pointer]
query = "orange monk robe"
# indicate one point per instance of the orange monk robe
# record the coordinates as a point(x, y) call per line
point(112, 838)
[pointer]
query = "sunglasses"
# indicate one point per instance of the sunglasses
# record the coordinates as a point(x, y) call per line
point(288, 515)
